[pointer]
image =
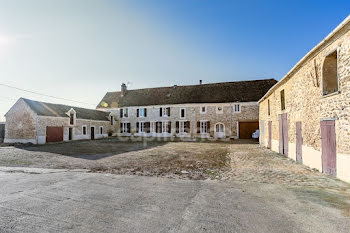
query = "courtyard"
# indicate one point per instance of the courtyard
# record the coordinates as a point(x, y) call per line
point(156, 186)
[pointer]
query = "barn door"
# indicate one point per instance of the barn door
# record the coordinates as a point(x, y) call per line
point(283, 134)
point(299, 142)
point(328, 147)
point(270, 135)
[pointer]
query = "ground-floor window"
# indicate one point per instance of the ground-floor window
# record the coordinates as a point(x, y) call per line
point(204, 127)
point(153, 127)
point(144, 127)
point(101, 129)
point(166, 127)
point(183, 127)
point(125, 127)
point(84, 129)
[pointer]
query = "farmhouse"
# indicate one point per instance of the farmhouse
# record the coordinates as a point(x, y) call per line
point(36, 122)
point(217, 110)
point(306, 116)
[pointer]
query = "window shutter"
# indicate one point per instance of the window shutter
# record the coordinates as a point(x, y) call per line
point(187, 126)
point(137, 112)
point(145, 112)
point(198, 127)
point(157, 127)
point(160, 111)
point(121, 127)
point(137, 126)
point(208, 124)
point(126, 112)
point(177, 124)
point(121, 113)
point(129, 127)
point(168, 111)
point(147, 127)
point(169, 127)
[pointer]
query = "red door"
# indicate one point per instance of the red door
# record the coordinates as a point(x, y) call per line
point(329, 153)
point(283, 134)
point(54, 134)
point(299, 142)
point(270, 134)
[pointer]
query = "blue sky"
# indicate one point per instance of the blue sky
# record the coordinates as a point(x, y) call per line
point(80, 49)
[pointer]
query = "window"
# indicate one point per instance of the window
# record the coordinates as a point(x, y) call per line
point(237, 108)
point(219, 110)
point(141, 112)
point(141, 127)
point(124, 112)
point(101, 129)
point(84, 130)
point(112, 120)
point(166, 127)
point(71, 121)
point(203, 127)
point(268, 108)
point(203, 109)
point(330, 73)
point(125, 127)
point(283, 100)
point(165, 112)
point(182, 113)
point(182, 127)
point(153, 127)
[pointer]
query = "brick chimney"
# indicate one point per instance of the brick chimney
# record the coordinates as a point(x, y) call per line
point(123, 89)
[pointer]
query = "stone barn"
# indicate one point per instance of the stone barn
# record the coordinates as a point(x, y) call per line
point(30, 121)
point(306, 115)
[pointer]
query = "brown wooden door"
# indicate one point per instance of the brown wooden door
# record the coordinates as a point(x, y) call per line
point(270, 135)
point(246, 129)
point(283, 134)
point(92, 133)
point(299, 142)
point(329, 153)
point(54, 134)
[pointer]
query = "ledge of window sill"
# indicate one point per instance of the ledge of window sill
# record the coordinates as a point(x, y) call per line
point(331, 94)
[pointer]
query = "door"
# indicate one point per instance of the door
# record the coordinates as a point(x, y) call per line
point(92, 133)
point(283, 134)
point(270, 135)
point(246, 129)
point(70, 134)
point(54, 134)
point(219, 130)
point(329, 155)
point(299, 142)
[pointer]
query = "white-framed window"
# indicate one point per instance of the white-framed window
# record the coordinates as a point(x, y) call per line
point(166, 127)
point(182, 113)
point(141, 127)
point(237, 108)
point(84, 130)
point(204, 129)
point(203, 109)
point(125, 127)
point(142, 112)
point(219, 109)
point(101, 129)
point(72, 116)
point(153, 127)
point(124, 113)
point(165, 112)
point(112, 120)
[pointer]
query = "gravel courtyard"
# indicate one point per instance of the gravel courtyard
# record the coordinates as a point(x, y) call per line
point(213, 187)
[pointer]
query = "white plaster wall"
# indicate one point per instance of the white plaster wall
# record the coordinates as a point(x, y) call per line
point(343, 167)
point(312, 157)
point(292, 151)
point(275, 145)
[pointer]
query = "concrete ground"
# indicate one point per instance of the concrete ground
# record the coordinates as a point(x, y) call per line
point(260, 192)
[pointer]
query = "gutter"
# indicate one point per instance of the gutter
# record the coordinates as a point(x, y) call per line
point(302, 60)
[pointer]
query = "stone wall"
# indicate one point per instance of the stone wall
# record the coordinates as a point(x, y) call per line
point(230, 119)
point(306, 103)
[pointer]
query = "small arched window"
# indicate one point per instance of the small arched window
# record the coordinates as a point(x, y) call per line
point(330, 74)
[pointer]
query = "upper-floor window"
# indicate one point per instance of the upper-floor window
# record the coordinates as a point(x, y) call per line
point(219, 109)
point(112, 120)
point(237, 108)
point(283, 100)
point(124, 112)
point(182, 113)
point(71, 119)
point(141, 112)
point(268, 108)
point(330, 73)
point(203, 109)
point(165, 112)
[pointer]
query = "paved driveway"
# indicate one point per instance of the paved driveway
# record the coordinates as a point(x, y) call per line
point(77, 201)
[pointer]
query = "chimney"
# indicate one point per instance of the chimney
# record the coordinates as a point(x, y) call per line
point(123, 89)
point(200, 82)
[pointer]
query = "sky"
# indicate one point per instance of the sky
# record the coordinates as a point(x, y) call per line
point(81, 49)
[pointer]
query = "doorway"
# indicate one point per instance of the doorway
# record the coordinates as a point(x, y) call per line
point(270, 135)
point(299, 142)
point(220, 130)
point(92, 133)
point(329, 153)
point(70, 134)
point(283, 134)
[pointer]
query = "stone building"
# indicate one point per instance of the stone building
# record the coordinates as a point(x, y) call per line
point(2, 131)
point(218, 110)
point(36, 122)
point(306, 115)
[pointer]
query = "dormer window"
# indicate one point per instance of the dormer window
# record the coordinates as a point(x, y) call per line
point(72, 116)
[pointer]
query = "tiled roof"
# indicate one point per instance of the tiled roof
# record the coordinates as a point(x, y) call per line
point(59, 110)
point(242, 91)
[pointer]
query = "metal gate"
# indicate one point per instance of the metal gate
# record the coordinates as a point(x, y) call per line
point(329, 153)
point(299, 142)
point(283, 134)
